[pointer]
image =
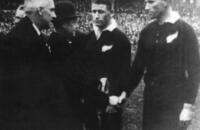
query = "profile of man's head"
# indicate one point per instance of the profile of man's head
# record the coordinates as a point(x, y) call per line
point(66, 20)
point(156, 8)
point(42, 11)
point(101, 14)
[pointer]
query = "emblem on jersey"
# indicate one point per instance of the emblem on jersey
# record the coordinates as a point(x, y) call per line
point(106, 48)
point(172, 37)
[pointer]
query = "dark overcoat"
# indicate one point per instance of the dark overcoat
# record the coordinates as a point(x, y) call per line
point(66, 52)
point(34, 97)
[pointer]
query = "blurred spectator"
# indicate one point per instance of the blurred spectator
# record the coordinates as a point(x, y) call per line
point(19, 14)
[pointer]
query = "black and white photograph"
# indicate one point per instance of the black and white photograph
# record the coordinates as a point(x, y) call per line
point(99, 65)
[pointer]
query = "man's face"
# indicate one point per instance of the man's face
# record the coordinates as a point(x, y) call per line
point(100, 15)
point(70, 26)
point(155, 8)
point(47, 13)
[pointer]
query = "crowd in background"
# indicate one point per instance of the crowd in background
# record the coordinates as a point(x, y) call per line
point(131, 20)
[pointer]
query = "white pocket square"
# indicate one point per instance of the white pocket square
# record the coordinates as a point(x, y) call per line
point(106, 48)
point(172, 37)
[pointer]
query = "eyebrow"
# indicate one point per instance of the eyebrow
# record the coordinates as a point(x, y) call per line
point(150, 1)
point(17, 17)
point(98, 10)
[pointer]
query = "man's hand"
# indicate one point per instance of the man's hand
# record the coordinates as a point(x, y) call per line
point(186, 115)
point(122, 97)
point(113, 100)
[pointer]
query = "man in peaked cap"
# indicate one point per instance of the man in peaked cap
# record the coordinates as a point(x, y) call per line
point(65, 25)
point(66, 46)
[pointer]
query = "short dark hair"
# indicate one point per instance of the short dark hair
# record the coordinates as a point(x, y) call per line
point(169, 1)
point(105, 2)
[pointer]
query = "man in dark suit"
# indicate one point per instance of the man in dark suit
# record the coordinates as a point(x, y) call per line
point(107, 59)
point(34, 97)
point(168, 57)
point(66, 46)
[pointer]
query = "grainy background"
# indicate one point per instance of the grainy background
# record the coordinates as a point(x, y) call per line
point(131, 19)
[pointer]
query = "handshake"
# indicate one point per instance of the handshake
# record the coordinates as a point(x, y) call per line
point(113, 100)
point(116, 100)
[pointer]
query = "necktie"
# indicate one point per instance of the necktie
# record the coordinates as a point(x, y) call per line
point(44, 38)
